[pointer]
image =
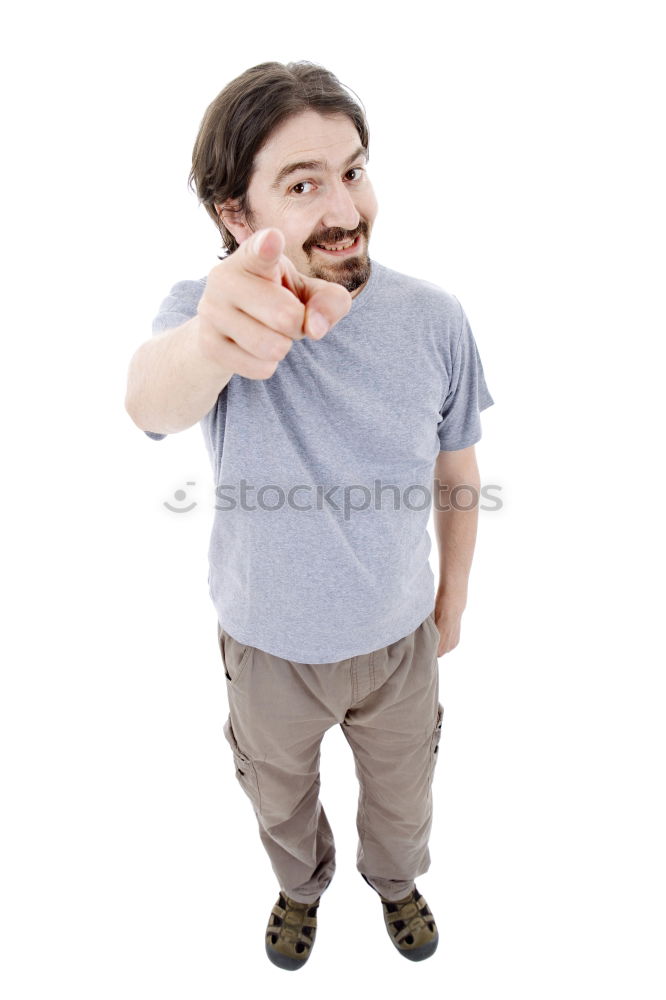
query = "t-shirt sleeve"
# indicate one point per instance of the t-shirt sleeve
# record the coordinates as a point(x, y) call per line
point(179, 306)
point(459, 424)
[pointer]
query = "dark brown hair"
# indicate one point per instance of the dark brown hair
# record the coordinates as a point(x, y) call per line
point(243, 115)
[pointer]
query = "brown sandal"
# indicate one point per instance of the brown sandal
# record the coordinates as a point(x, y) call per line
point(291, 932)
point(410, 924)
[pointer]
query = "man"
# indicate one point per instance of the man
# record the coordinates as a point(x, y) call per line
point(328, 388)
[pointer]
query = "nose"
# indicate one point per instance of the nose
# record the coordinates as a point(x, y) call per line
point(340, 211)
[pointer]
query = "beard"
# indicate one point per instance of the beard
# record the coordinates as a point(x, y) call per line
point(350, 273)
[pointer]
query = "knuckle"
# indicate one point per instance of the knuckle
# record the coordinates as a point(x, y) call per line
point(281, 349)
point(272, 347)
point(266, 369)
point(288, 317)
point(258, 368)
point(281, 320)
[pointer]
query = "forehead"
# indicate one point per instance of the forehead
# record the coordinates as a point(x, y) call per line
point(307, 136)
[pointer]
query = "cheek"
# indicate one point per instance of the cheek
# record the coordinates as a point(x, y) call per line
point(370, 206)
point(297, 221)
point(299, 230)
point(294, 243)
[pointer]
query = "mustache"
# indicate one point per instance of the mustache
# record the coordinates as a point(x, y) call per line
point(337, 236)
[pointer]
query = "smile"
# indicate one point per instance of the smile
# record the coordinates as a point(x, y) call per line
point(346, 248)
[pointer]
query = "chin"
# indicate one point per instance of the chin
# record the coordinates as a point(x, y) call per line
point(351, 273)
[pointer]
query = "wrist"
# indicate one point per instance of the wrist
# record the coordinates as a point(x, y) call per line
point(203, 340)
point(451, 596)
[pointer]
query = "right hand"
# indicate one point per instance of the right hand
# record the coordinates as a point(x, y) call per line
point(256, 304)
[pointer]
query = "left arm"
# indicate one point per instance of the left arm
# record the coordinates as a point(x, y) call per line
point(455, 528)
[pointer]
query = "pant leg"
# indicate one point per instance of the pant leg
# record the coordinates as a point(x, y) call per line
point(394, 733)
point(277, 718)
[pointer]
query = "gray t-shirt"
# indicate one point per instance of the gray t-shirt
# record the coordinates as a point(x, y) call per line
point(324, 471)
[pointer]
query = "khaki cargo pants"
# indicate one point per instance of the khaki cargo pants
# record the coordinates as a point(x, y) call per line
point(387, 704)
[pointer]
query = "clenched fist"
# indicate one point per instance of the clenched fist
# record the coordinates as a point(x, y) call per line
point(256, 304)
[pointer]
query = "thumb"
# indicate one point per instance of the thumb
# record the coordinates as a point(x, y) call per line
point(326, 303)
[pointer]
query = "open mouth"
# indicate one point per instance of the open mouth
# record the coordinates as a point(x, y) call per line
point(342, 249)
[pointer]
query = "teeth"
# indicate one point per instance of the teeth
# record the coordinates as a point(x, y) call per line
point(337, 246)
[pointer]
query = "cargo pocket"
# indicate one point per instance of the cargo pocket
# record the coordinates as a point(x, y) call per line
point(246, 774)
point(435, 738)
point(235, 655)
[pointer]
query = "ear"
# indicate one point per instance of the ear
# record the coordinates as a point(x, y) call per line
point(234, 219)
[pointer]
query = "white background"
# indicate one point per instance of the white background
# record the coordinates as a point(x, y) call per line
point(516, 152)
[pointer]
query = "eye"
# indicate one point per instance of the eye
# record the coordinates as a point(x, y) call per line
point(354, 170)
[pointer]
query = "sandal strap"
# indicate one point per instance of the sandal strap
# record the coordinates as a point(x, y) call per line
point(293, 919)
point(409, 912)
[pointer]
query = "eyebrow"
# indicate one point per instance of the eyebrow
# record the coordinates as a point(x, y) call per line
point(292, 168)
